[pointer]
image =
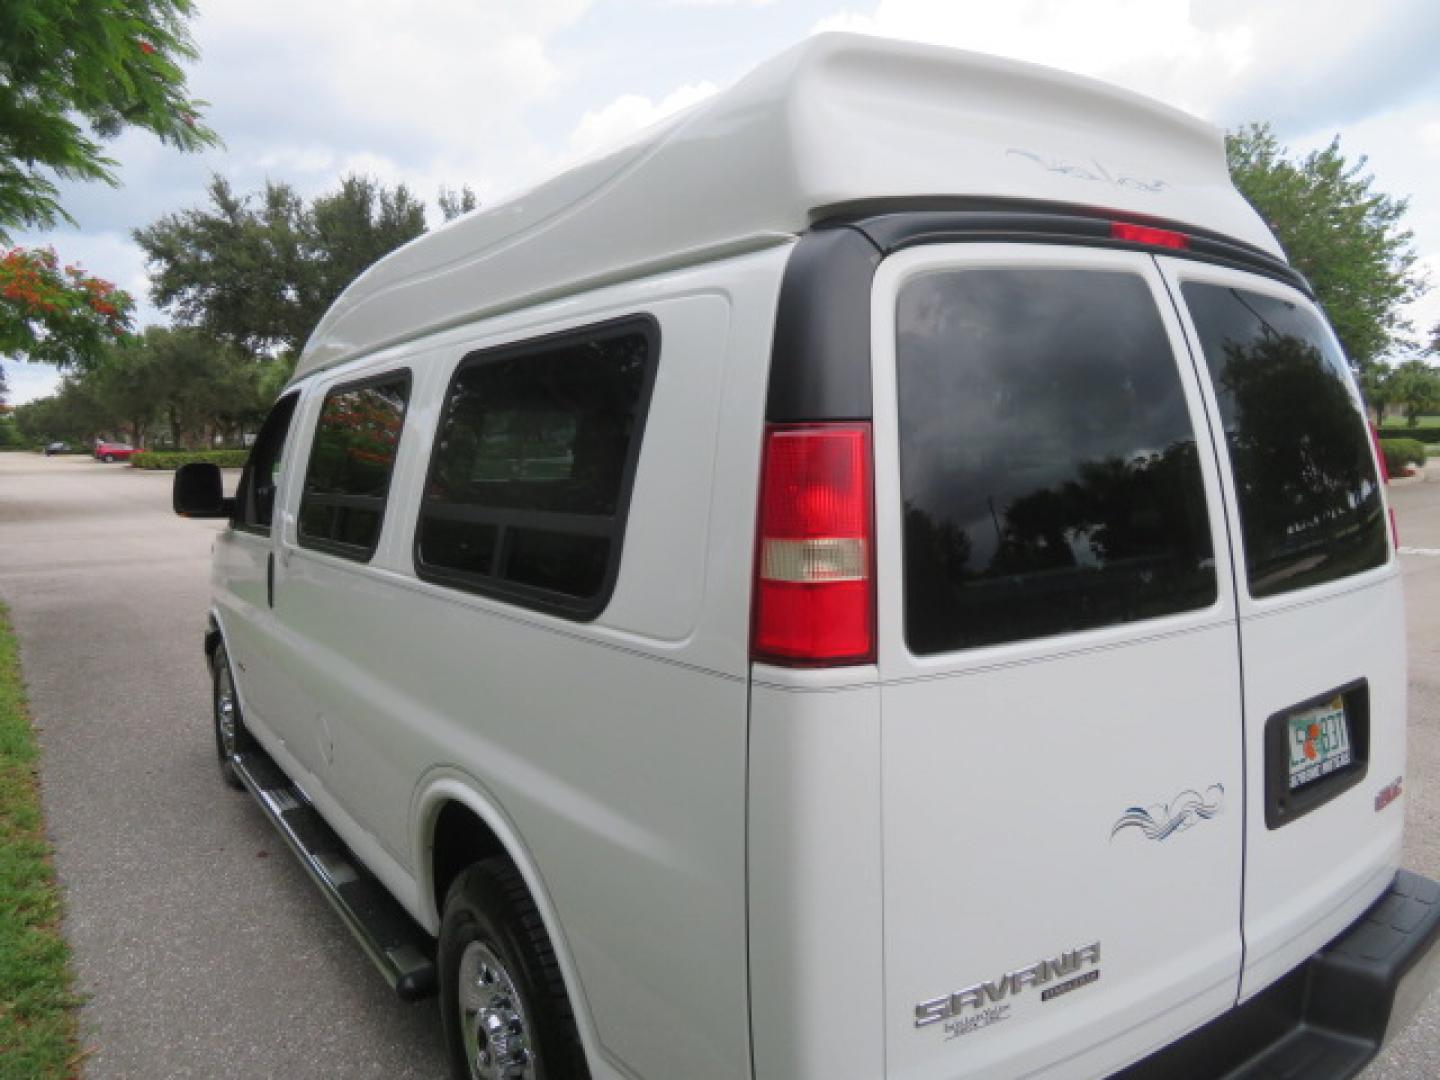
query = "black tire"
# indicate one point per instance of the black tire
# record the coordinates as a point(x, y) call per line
point(238, 739)
point(108, 459)
point(489, 907)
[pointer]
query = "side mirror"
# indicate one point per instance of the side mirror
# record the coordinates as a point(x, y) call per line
point(199, 492)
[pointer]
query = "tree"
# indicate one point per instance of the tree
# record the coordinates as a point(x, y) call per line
point(200, 385)
point(1346, 238)
point(125, 384)
point(454, 203)
point(349, 230)
point(4, 386)
point(1415, 386)
point(65, 67)
point(260, 272)
point(232, 269)
point(194, 385)
point(59, 316)
point(71, 414)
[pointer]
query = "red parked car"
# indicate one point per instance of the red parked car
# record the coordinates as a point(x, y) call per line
point(113, 451)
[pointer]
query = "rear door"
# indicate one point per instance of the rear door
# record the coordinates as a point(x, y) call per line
point(1321, 617)
point(1060, 677)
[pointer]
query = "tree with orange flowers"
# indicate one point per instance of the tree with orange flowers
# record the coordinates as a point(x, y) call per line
point(57, 314)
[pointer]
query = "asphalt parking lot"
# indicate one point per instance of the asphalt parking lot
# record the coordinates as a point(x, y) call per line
point(201, 947)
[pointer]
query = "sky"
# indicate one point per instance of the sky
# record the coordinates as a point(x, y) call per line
point(498, 94)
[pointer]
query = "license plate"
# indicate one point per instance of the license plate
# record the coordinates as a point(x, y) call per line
point(1319, 742)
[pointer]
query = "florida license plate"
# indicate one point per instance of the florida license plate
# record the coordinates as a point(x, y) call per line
point(1319, 742)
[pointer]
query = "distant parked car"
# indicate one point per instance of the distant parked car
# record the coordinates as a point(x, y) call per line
point(57, 448)
point(113, 451)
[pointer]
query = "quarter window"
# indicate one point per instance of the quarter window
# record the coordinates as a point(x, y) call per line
point(348, 479)
point(530, 478)
point(1049, 471)
point(1310, 508)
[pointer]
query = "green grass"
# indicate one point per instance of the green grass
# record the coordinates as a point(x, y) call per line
point(37, 1006)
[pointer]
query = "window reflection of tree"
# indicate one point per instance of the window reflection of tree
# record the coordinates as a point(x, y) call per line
point(356, 441)
point(1119, 540)
point(1114, 510)
point(1300, 454)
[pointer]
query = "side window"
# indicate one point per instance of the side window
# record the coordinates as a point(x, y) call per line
point(530, 478)
point(1049, 471)
point(255, 497)
point(347, 482)
point(1310, 508)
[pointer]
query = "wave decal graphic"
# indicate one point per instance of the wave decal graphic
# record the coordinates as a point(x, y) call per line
point(1164, 820)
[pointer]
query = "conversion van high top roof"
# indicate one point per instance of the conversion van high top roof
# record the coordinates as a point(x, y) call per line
point(884, 575)
point(839, 123)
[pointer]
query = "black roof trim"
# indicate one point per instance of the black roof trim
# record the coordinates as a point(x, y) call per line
point(893, 225)
point(820, 363)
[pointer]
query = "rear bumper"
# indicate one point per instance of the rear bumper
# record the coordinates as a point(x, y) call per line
point(1329, 1017)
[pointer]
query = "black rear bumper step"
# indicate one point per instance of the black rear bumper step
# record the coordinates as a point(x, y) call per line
point(402, 951)
point(1329, 1017)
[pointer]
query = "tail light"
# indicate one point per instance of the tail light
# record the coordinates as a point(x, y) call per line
point(1148, 235)
point(814, 560)
point(1384, 479)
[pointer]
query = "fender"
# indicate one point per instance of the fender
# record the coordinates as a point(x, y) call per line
point(443, 784)
point(254, 724)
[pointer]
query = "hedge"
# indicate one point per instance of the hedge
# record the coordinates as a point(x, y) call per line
point(1402, 452)
point(1425, 433)
point(173, 459)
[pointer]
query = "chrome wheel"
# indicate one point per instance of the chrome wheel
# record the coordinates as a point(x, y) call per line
point(493, 1023)
point(225, 709)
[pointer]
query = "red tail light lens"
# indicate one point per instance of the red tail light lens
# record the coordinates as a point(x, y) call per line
point(814, 584)
point(1151, 237)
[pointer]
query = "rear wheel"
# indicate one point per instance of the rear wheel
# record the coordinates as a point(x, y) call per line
point(230, 735)
point(502, 997)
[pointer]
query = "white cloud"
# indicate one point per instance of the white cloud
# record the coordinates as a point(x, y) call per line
point(1290, 61)
point(445, 68)
point(29, 381)
point(301, 87)
point(1424, 313)
point(1428, 136)
point(488, 92)
point(611, 124)
point(286, 160)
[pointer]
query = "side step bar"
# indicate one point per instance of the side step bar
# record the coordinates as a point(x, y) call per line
point(402, 951)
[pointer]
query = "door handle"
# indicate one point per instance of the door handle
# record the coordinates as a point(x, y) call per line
point(270, 579)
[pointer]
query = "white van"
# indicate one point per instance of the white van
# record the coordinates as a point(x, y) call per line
point(884, 576)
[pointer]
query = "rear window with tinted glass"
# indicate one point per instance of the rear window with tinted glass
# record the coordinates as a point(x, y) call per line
point(1310, 505)
point(1048, 464)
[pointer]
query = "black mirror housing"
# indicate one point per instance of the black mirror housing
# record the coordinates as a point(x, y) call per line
point(199, 492)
